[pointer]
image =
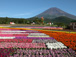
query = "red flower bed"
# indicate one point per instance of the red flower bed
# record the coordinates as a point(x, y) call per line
point(17, 40)
point(5, 52)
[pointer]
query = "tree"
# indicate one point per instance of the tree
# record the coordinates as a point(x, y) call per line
point(36, 20)
point(42, 20)
point(59, 24)
point(7, 20)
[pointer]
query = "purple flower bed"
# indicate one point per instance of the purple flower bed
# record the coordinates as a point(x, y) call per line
point(43, 53)
point(34, 38)
point(44, 41)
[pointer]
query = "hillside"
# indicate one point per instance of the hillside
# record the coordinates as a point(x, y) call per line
point(62, 19)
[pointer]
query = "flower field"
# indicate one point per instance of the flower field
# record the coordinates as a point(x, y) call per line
point(26, 42)
point(52, 28)
point(68, 39)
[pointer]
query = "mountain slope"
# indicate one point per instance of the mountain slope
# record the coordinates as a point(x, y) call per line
point(62, 19)
point(55, 12)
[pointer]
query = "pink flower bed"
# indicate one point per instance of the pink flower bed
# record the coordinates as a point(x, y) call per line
point(53, 28)
point(14, 34)
point(22, 45)
point(17, 40)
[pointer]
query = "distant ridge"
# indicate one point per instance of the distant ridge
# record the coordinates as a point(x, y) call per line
point(55, 12)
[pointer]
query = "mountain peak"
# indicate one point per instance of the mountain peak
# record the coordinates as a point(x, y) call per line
point(54, 8)
point(55, 12)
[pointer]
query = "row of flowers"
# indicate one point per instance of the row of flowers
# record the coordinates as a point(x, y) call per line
point(34, 38)
point(22, 45)
point(22, 52)
point(17, 40)
point(17, 34)
point(26, 28)
point(3, 31)
point(29, 40)
point(22, 36)
point(14, 33)
point(21, 32)
point(54, 28)
point(57, 45)
point(25, 37)
point(26, 34)
point(43, 53)
point(69, 39)
point(37, 34)
point(44, 41)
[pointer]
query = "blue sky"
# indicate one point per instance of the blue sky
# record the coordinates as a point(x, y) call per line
point(30, 8)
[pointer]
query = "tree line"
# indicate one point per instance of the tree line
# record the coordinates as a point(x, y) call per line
point(7, 20)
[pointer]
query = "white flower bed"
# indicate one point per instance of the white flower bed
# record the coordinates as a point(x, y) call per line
point(38, 36)
point(55, 45)
point(7, 37)
point(13, 33)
